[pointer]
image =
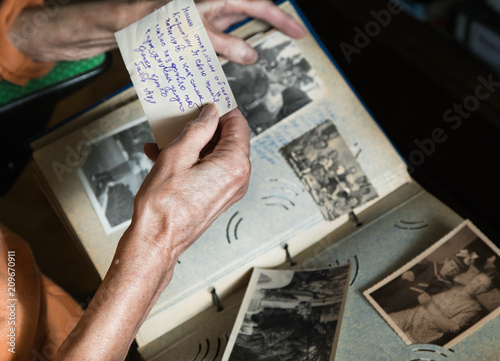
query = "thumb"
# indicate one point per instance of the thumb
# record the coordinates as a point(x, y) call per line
point(151, 150)
point(197, 134)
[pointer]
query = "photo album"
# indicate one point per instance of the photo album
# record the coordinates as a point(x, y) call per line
point(333, 253)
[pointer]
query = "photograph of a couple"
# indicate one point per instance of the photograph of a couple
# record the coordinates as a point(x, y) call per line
point(446, 293)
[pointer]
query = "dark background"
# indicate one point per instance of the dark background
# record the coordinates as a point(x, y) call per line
point(408, 77)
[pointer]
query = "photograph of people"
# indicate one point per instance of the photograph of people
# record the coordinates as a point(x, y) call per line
point(113, 172)
point(280, 83)
point(290, 315)
point(444, 313)
point(446, 293)
point(425, 279)
point(329, 171)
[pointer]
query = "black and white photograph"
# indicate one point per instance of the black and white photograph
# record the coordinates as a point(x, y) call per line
point(326, 167)
point(290, 315)
point(280, 83)
point(114, 171)
point(444, 294)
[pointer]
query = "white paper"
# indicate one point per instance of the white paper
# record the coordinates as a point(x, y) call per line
point(174, 68)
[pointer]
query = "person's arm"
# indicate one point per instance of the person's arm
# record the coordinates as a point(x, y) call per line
point(82, 30)
point(74, 31)
point(194, 180)
point(424, 298)
point(442, 322)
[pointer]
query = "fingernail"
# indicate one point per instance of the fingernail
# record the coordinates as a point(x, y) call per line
point(208, 110)
point(248, 55)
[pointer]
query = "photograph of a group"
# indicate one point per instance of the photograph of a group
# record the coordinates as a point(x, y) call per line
point(328, 170)
point(277, 85)
point(290, 316)
point(113, 172)
point(446, 293)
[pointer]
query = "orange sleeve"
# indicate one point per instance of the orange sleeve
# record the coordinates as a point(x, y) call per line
point(15, 66)
point(35, 314)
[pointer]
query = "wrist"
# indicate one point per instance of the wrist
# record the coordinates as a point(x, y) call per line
point(129, 13)
point(148, 248)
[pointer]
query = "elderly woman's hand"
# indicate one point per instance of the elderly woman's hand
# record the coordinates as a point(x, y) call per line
point(219, 15)
point(81, 30)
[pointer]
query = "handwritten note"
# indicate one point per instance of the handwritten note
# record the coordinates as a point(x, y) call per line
point(174, 68)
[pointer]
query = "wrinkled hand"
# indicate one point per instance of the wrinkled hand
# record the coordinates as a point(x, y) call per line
point(195, 179)
point(219, 15)
point(81, 30)
point(76, 30)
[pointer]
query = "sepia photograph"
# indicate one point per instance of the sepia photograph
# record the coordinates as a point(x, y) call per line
point(444, 294)
point(114, 171)
point(280, 83)
point(290, 315)
point(326, 167)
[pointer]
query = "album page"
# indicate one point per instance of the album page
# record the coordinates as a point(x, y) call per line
point(317, 157)
point(397, 237)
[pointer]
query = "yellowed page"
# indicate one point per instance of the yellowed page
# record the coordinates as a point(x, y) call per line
point(174, 68)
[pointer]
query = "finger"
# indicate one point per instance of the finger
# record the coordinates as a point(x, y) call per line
point(195, 136)
point(234, 136)
point(151, 150)
point(270, 13)
point(227, 167)
point(232, 155)
point(211, 145)
point(232, 47)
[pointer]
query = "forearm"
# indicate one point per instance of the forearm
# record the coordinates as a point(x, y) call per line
point(137, 276)
point(75, 31)
point(179, 199)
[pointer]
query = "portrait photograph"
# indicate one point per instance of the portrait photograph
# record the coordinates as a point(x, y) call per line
point(444, 294)
point(280, 82)
point(328, 170)
point(114, 170)
point(290, 315)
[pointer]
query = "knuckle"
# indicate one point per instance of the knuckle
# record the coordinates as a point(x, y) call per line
point(233, 46)
point(194, 126)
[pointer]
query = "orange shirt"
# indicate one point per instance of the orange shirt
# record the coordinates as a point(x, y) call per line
point(35, 314)
point(15, 66)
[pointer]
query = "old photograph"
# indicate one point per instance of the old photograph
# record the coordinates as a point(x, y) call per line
point(444, 294)
point(290, 315)
point(114, 171)
point(281, 82)
point(328, 170)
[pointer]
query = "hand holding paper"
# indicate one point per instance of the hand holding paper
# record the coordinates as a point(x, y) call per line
point(174, 68)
